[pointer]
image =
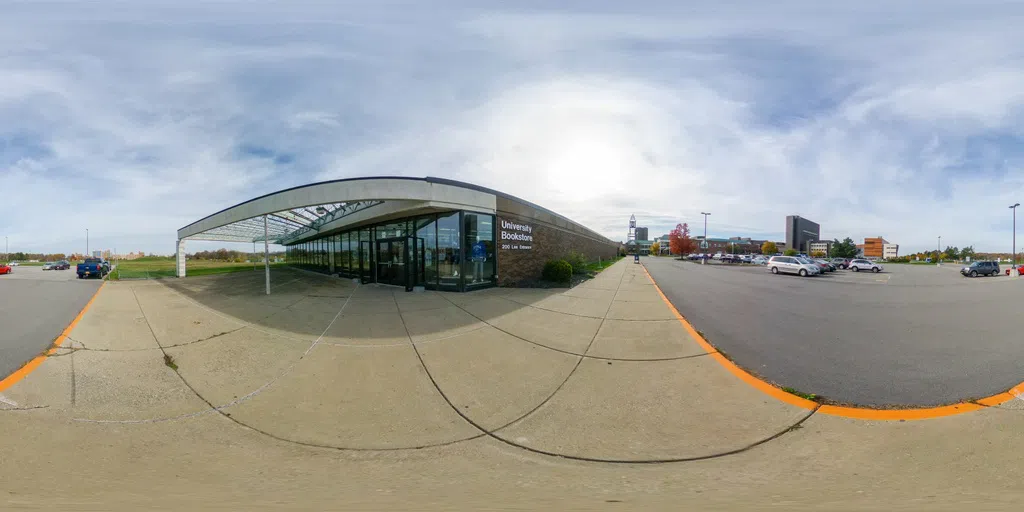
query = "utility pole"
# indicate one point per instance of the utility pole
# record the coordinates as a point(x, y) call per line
point(704, 243)
point(1014, 208)
point(87, 242)
point(938, 252)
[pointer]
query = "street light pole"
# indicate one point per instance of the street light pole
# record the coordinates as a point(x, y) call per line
point(706, 244)
point(86, 242)
point(1014, 208)
point(938, 252)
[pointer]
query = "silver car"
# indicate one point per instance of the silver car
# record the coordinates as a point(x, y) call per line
point(861, 264)
point(792, 265)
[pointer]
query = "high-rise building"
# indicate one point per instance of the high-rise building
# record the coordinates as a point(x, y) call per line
point(800, 231)
point(641, 233)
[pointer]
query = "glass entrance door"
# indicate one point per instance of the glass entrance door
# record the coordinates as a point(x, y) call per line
point(391, 262)
point(365, 262)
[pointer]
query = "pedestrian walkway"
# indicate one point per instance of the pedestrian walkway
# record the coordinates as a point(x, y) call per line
point(206, 391)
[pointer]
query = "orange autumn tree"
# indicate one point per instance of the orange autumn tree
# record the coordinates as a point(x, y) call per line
point(679, 241)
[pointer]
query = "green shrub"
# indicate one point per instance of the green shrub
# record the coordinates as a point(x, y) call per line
point(557, 271)
point(578, 262)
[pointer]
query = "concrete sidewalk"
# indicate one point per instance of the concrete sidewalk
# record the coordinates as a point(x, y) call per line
point(204, 393)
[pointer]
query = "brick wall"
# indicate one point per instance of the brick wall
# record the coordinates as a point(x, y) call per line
point(549, 242)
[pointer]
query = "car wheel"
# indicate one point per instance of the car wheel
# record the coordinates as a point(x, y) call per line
point(803, 273)
point(974, 273)
point(775, 270)
point(855, 268)
point(876, 270)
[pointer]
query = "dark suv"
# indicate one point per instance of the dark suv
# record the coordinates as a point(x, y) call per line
point(983, 268)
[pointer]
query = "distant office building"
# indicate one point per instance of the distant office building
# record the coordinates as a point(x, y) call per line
point(824, 247)
point(860, 250)
point(641, 234)
point(801, 231)
point(665, 244)
point(890, 250)
point(97, 254)
point(874, 247)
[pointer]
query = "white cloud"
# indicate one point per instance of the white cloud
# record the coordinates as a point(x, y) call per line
point(873, 119)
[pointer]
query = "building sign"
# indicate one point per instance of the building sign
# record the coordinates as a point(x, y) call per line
point(515, 236)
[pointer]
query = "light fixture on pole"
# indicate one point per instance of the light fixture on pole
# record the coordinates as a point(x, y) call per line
point(704, 242)
point(1014, 208)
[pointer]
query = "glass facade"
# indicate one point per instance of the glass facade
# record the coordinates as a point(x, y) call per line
point(453, 251)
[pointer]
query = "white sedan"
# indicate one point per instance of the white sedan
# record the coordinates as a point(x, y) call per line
point(859, 264)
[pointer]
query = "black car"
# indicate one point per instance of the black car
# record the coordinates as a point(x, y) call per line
point(981, 268)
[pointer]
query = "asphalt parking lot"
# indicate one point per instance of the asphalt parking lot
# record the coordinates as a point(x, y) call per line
point(912, 335)
point(35, 307)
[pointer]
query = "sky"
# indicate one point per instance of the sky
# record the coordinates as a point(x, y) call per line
point(897, 119)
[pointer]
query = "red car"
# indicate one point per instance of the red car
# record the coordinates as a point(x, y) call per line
point(1020, 270)
point(5, 268)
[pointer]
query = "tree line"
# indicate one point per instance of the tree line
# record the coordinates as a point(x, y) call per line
point(229, 255)
point(29, 256)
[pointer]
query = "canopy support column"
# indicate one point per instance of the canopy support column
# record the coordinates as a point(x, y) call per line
point(180, 259)
point(266, 252)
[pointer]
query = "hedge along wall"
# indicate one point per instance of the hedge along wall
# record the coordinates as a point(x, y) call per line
point(529, 235)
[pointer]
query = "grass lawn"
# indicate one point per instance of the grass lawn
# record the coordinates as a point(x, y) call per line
point(155, 267)
point(596, 267)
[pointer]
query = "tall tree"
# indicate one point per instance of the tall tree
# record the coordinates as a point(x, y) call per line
point(769, 248)
point(679, 241)
point(845, 249)
point(655, 247)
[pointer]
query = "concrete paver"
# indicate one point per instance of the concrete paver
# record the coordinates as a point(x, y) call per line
point(592, 307)
point(129, 386)
point(570, 333)
point(176, 321)
point(656, 339)
point(438, 324)
point(653, 410)
point(231, 367)
point(494, 378)
point(49, 386)
point(357, 398)
point(382, 329)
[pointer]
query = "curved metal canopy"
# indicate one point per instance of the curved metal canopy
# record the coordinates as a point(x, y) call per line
point(282, 226)
point(301, 212)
